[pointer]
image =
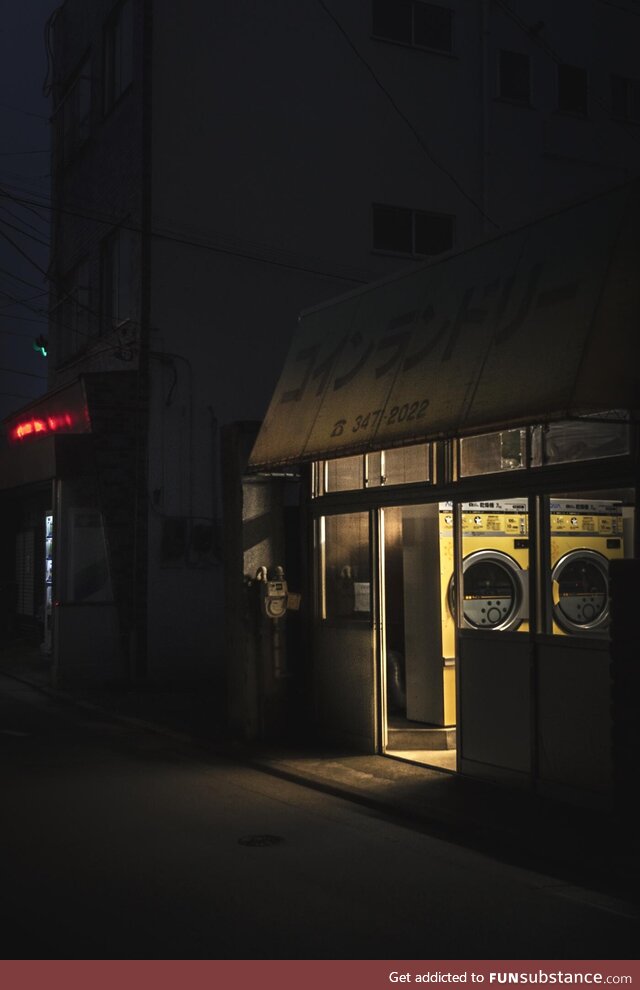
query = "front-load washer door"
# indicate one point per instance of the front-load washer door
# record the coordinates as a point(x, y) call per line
point(494, 591)
point(581, 591)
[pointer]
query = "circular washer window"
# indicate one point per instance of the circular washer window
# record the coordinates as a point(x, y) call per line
point(493, 591)
point(581, 591)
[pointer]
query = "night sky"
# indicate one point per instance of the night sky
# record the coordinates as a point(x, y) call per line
point(24, 175)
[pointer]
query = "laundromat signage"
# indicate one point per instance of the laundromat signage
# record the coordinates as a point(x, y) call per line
point(492, 335)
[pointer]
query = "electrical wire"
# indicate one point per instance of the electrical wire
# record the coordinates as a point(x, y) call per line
point(25, 319)
point(4, 191)
point(23, 253)
point(14, 316)
point(166, 235)
point(619, 6)
point(120, 346)
point(27, 113)
point(19, 154)
point(49, 278)
point(24, 233)
point(15, 300)
point(27, 374)
point(22, 220)
point(14, 333)
point(51, 317)
point(25, 183)
point(421, 142)
point(17, 278)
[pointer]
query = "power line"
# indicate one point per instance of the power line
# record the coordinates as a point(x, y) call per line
point(54, 318)
point(17, 278)
point(24, 205)
point(24, 233)
point(42, 321)
point(21, 220)
point(442, 168)
point(14, 299)
point(51, 317)
point(188, 242)
point(23, 253)
point(27, 374)
point(14, 333)
point(27, 113)
point(48, 318)
point(83, 306)
point(26, 319)
point(26, 183)
point(74, 329)
point(619, 6)
point(19, 154)
point(17, 395)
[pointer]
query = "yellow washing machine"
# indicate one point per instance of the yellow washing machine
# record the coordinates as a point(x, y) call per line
point(585, 536)
point(495, 563)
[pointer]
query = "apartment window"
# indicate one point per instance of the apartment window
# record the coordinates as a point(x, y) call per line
point(75, 110)
point(118, 53)
point(572, 89)
point(514, 77)
point(625, 99)
point(116, 294)
point(73, 328)
point(414, 232)
point(411, 22)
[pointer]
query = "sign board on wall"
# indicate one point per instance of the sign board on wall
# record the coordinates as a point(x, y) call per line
point(531, 325)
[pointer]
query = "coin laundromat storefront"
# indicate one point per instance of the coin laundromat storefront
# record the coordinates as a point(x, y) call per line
point(470, 442)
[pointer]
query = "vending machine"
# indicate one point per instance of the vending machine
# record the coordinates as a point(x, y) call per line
point(48, 583)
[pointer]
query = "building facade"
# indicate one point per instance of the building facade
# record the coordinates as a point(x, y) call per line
point(471, 468)
point(213, 174)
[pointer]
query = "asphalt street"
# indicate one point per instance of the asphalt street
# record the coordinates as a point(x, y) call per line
point(119, 843)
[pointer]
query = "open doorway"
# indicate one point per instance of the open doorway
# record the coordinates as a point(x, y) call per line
point(418, 638)
point(418, 613)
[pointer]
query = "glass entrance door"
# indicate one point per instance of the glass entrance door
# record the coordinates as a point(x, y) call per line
point(418, 637)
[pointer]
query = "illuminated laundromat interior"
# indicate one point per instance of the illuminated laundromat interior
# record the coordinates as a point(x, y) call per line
point(395, 569)
point(471, 427)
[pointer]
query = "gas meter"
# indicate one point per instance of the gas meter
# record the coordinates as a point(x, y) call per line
point(274, 594)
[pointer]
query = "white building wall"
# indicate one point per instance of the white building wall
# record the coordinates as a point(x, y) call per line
point(271, 138)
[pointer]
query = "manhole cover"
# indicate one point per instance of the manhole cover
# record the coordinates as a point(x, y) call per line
point(260, 840)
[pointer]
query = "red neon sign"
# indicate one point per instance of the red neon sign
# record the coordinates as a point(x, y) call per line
point(45, 424)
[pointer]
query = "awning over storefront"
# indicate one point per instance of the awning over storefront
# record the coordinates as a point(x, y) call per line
point(30, 435)
point(533, 326)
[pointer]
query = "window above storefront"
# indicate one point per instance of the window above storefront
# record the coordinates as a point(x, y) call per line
point(569, 442)
point(564, 442)
point(398, 466)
